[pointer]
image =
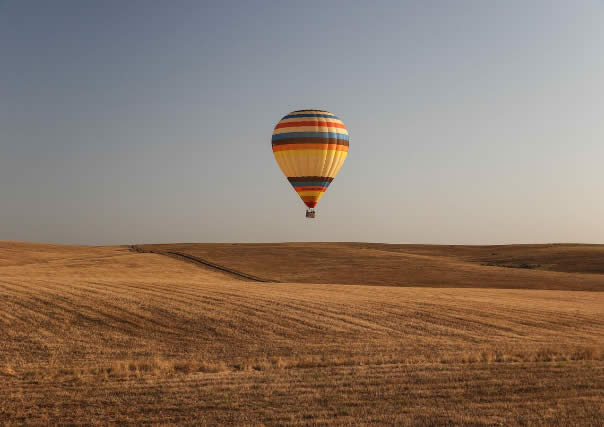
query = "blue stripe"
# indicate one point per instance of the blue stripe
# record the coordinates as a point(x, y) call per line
point(295, 116)
point(330, 135)
point(310, 184)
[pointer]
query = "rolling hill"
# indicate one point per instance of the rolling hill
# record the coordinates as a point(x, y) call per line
point(110, 335)
point(562, 267)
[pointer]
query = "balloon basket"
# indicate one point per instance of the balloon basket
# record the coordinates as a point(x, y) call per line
point(310, 213)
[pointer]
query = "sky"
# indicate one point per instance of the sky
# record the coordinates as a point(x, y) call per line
point(471, 122)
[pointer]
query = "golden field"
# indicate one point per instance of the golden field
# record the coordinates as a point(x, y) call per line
point(350, 334)
point(559, 266)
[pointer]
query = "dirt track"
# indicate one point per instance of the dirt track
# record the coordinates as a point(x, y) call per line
point(202, 263)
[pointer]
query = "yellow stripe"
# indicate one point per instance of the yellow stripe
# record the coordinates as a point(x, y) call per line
point(310, 129)
point(310, 162)
point(311, 198)
point(310, 193)
point(336, 165)
point(295, 153)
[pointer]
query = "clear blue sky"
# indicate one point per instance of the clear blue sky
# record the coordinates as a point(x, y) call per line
point(147, 121)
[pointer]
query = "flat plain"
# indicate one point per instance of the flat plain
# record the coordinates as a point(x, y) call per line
point(348, 333)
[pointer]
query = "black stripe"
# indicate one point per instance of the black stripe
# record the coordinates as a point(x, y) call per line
point(287, 141)
point(311, 109)
point(309, 178)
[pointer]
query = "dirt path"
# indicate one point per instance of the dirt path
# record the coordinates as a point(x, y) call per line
point(203, 263)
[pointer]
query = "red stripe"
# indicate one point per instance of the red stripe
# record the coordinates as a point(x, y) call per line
point(319, 123)
point(311, 204)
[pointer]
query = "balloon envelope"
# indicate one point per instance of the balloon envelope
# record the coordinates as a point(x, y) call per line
point(310, 147)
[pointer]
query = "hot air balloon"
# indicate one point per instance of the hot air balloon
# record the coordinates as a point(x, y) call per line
point(310, 147)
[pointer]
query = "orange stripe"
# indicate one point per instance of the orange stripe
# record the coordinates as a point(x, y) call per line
point(310, 123)
point(286, 147)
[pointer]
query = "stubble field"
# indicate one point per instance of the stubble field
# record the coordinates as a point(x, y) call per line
point(108, 335)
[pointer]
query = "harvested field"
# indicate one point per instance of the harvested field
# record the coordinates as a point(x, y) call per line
point(107, 335)
point(559, 266)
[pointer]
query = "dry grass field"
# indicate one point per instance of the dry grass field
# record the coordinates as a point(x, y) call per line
point(105, 335)
point(562, 267)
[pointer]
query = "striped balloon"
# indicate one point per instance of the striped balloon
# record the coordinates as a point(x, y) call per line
point(310, 147)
